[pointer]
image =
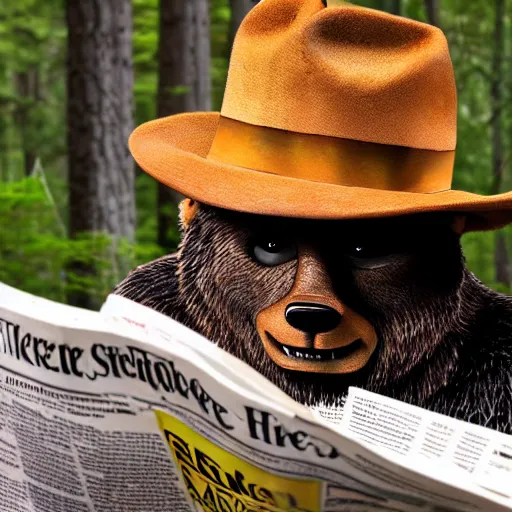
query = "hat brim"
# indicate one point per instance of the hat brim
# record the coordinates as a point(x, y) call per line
point(174, 149)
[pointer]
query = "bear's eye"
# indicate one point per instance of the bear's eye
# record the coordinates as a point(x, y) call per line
point(373, 254)
point(271, 251)
point(367, 250)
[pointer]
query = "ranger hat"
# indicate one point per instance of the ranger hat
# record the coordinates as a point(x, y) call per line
point(329, 113)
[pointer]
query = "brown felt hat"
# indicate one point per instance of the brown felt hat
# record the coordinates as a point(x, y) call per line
point(329, 113)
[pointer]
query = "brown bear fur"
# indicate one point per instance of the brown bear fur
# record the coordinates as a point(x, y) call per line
point(444, 339)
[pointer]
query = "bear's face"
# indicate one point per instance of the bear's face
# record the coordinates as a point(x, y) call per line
point(318, 305)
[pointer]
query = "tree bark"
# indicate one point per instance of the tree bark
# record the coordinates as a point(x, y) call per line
point(27, 88)
point(391, 6)
point(396, 7)
point(100, 120)
point(184, 81)
point(433, 12)
point(498, 162)
point(239, 9)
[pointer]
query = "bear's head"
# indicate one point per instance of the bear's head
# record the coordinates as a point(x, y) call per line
point(315, 306)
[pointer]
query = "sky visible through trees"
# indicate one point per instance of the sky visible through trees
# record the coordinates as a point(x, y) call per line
point(77, 75)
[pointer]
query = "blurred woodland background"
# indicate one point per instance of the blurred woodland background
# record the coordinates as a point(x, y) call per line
point(77, 75)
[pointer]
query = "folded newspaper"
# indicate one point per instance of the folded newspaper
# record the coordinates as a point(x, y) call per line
point(127, 410)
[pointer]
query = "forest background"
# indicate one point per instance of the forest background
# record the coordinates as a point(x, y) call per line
point(77, 75)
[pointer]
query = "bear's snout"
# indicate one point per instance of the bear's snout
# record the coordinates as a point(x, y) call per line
point(311, 329)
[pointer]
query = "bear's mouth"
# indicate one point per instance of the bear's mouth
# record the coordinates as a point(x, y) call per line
point(313, 354)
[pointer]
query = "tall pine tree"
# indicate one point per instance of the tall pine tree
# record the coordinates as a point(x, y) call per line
point(184, 83)
point(100, 120)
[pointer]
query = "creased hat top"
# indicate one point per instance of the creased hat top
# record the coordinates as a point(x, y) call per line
point(329, 113)
point(346, 72)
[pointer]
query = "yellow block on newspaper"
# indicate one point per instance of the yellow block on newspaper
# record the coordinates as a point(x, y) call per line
point(219, 481)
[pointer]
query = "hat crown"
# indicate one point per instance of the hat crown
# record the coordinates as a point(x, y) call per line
point(346, 72)
point(329, 113)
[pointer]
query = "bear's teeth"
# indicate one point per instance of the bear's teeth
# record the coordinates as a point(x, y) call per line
point(296, 354)
point(312, 354)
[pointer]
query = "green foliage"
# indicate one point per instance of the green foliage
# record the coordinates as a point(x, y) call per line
point(220, 16)
point(33, 252)
point(479, 251)
point(145, 58)
point(146, 248)
point(32, 45)
point(37, 256)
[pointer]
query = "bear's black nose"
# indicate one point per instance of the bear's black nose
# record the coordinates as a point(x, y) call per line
point(312, 318)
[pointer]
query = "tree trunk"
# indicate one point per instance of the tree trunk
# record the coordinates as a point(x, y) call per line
point(184, 81)
point(498, 163)
point(100, 120)
point(27, 88)
point(380, 5)
point(433, 13)
point(239, 9)
point(396, 7)
point(391, 6)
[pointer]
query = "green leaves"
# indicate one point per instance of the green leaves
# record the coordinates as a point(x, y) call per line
point(37, 257)
point(178, 90)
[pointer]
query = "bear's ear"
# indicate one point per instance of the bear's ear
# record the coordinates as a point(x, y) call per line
point(188, 210)
point(459, 224)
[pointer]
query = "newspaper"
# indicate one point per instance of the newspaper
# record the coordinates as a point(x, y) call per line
point(127, 410)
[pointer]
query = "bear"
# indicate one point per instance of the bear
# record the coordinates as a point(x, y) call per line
point(385, 304)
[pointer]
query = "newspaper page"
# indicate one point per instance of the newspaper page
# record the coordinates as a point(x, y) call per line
point(99, 414)
point(418, 435)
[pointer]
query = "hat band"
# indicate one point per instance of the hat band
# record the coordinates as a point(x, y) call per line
point(331, 160)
